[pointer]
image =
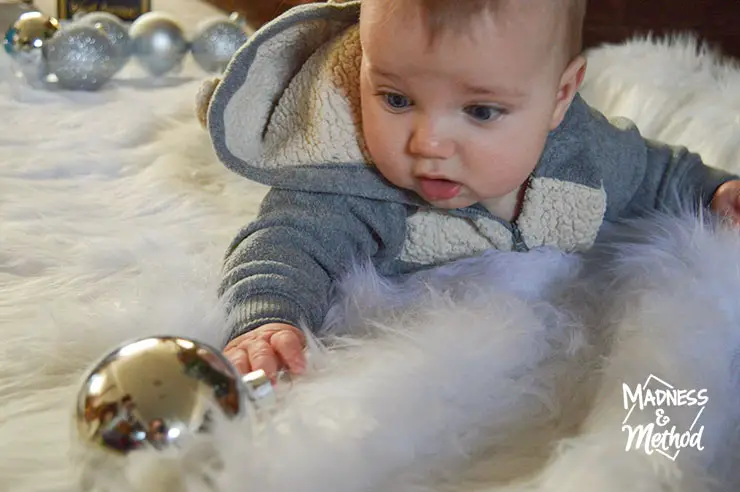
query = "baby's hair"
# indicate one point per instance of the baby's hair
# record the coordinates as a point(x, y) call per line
point(455, 15)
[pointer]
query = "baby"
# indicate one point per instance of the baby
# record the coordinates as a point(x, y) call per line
point(411, 133)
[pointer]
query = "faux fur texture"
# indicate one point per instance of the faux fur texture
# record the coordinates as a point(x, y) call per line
point(500, 373)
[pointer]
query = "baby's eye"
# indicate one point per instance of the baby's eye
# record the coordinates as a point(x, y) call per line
point(483, 113)
point(396, 101)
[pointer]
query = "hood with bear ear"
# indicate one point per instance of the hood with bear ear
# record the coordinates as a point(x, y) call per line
point(286, 112)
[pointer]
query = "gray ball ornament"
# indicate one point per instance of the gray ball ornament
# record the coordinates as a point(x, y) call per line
point(159, 43)
point(115, 30)
point(81, 57)
point(215, 42)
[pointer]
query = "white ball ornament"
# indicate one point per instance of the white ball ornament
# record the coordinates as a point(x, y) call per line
point(159, 43)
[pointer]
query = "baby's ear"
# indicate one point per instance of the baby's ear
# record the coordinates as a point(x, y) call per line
point(203, 99)
point(570, 82)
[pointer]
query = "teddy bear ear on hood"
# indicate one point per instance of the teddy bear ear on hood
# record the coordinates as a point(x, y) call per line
point(203, 99)
point(238, 110)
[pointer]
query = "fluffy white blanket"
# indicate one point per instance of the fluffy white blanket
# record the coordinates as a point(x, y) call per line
point(501, 373)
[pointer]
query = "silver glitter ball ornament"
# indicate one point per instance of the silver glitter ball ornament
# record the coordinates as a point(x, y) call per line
point(159, 43)
point(215, 42)
point(160, 392)
point(26, 40)
point(115, 30)
point(81, 57)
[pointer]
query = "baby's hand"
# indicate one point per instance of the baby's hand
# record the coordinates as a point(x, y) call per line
point(270, 347)
point(726, 201)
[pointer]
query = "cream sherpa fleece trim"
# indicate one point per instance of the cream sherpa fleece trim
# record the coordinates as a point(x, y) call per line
point(434, 237)
point(556, 213)
point(318, 118)
point(561, 214)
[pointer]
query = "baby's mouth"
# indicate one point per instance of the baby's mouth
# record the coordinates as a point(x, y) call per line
point(438, 189)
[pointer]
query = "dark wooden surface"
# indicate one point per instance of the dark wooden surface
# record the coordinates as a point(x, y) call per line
point(715, 21)
point(611, 21)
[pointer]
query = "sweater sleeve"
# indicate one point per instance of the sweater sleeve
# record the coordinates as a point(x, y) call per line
point(639, 175)
point(281, 267)
point(675, 181)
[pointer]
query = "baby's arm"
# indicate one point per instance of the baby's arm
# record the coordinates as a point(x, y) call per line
point(667, 178)
point(675, 180)
point(280, 268)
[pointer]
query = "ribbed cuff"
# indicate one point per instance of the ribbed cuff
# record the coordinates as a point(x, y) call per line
point(262, 309)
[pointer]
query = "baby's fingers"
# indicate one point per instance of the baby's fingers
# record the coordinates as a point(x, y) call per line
point(289, 347)
point(261, 356)
point(238, 359)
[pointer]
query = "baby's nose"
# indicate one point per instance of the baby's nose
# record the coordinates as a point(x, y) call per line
point(430, 141)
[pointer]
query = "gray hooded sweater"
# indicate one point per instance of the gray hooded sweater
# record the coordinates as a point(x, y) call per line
point(286, 114)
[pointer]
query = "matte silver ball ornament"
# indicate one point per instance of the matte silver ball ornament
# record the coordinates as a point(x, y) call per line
point(25, 41)
point(115, 30)
point(161, 391)
point(159, 43)
point(81, 57)
point(215, 42)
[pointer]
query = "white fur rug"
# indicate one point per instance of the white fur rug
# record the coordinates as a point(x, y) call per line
point(502, 373)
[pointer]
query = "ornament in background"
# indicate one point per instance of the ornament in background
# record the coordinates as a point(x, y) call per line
point(81, 57)
point(215, 42)
point(25, 42)
point(81, 60)
point(115, 30)
point(162, 391)
point(158, 42)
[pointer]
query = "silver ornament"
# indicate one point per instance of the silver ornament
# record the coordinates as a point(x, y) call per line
point(29, 32)
point(25, 42)
point(215, 42)
point(162, 391)
point(81, 58)
point(159, 42)
point(115, 30)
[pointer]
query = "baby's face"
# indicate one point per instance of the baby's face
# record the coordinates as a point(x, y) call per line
point(463, 120)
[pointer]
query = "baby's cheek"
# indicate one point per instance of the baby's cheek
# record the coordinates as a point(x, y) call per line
point(500, 171)
point(392, 168)
point(386, 149)
point(372, 131)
